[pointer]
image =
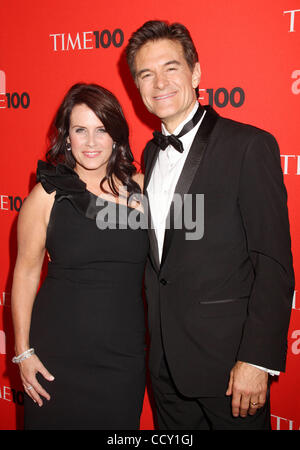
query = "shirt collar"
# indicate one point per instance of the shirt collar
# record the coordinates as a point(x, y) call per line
point(181, 125)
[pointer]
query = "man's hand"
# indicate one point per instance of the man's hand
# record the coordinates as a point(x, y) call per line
point(248, 387)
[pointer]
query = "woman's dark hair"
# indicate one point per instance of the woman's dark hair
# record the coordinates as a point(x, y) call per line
point(107, 108)
point(154, 30)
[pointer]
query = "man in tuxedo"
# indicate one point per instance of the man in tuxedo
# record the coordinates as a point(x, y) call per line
point(219, 300)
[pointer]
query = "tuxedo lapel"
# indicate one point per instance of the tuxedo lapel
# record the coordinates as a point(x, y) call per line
point(154, 255)
point(189, 170)
point(153, 151)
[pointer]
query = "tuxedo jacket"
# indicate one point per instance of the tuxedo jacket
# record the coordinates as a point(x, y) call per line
point(226, 296)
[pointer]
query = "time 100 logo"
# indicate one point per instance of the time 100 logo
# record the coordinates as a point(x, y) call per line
point(221, 97)
point(14, 100)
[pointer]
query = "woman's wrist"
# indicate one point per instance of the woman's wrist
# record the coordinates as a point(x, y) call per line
point(20, 357)
point(21, 348)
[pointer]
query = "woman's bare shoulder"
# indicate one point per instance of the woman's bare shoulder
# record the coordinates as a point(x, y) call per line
point(38, 203)
point(139, 178)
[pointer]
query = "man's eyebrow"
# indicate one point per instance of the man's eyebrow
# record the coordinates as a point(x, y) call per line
point(140, 72)
point(174, 61)
point(168, 63)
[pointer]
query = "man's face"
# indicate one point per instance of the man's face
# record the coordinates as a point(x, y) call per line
point(165, 81)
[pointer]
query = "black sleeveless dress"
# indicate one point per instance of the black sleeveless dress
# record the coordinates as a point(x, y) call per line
point(88, 322)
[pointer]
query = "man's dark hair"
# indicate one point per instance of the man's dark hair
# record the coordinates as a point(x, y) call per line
point(154, 30)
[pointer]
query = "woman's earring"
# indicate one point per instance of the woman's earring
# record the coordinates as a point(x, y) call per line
point(68, 146)
point(114, 146)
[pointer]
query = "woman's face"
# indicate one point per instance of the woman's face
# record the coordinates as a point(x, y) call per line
point(91, 145)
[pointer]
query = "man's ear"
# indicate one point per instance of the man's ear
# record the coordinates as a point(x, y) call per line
point(136, 82)
point(196, 76)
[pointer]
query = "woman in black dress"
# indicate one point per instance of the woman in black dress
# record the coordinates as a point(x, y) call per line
point(80, 342)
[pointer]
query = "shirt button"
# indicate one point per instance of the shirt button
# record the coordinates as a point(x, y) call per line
point(163, 282)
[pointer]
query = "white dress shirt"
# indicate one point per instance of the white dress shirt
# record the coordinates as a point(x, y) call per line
point(165, 174)
point(164, 178)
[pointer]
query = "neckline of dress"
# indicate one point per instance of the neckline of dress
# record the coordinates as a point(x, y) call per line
point(95, 195)
point(111, 201)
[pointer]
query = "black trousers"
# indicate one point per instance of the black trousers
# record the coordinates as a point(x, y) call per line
point(177, 412)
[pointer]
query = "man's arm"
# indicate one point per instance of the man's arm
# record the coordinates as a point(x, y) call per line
point(263, 206)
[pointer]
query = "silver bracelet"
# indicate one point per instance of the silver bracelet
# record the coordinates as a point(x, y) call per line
point(25, 355)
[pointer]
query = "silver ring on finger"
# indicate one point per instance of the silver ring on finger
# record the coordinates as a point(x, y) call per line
point(28, 388)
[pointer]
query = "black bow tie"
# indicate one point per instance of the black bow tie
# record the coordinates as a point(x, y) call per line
point(163, 141)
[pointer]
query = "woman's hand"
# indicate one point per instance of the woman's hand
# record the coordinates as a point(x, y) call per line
point(28, 370)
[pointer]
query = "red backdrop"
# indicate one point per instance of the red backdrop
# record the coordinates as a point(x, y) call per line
point(249, 55)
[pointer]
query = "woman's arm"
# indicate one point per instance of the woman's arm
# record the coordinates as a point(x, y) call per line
point(32, 226)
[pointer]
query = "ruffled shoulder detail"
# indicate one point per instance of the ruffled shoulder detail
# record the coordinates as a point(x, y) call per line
point(58, 178)
point(68, 186)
